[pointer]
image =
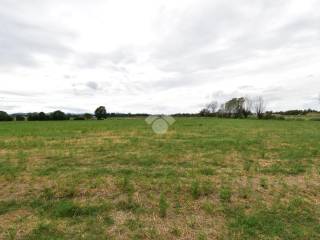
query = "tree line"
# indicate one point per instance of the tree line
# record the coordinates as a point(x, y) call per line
point(100, 113)
point(242, 107)
point(236, 108)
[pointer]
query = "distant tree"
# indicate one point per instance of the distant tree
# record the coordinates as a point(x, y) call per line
point(204, 112)
point(58, 115)
point(212, 107)
point(20, 118)
point(229, 108)
point(235, 107)
point(79, 118)
point(222, 110)
point(100, 113)
point(42, 116)
point(5, 116)
point(87, 116)
point(259, 106)
point(33, 116)
point(247, 107)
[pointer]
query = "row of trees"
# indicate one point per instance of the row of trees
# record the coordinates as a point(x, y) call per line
point(293, 112)
point(236, 107)
point(5, 116)
point(100, 113)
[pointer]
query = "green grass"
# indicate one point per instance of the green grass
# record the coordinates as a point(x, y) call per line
point(205, 178)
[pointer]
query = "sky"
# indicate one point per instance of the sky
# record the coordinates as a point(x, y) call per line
point(157, 56)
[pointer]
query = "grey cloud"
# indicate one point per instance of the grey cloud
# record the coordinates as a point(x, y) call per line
point(182, 80)
point(88, 88)
point(111, 60)
point(270, 94)
point(93, 85)
point(68, 109)
point(19, 93)
point(243, 30)
point(8, 107)
point(222, 96)
point(236, 46)
point(21, 41)
point(275, 93)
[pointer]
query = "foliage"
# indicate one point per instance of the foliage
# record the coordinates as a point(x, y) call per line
point(100, 113)
point(20, 118)
point(5, 117)
point(58, 115)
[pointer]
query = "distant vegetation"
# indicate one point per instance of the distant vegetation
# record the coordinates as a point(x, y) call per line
point(243, 107)
point(99, 114)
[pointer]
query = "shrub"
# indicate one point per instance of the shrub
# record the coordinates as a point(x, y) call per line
point(79, 118)
point(5, 117)
point(87, 116)
point(315, 119)
point(101, 113)
point(58, 115)
point(42, 116)
point(20, 118)
point(33, 117)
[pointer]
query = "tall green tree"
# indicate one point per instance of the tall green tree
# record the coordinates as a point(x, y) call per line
point(58, 115)
point(5, 116)
point(100, 113)
point(235, 107)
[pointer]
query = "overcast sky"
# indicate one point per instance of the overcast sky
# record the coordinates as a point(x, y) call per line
point(157, 56)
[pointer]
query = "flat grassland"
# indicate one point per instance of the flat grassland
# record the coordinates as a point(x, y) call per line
point(205, 178)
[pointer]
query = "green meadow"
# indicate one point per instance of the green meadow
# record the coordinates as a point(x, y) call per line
point(206, 178)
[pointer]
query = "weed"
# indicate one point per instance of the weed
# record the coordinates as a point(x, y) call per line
point(128, 188)
point(195, 189)
point(207, 188)
point(12, 233)
point(278, 222)
point(225, 194)
point(175, 231)
point(247, 165)
point(163, 206)
point(7, 206)
point(48, 194)
point(129, 206)
point(202, 236)
point(264, 183)
point(208, 207)
point(133, 224)
point(45, 231)
point(207, 171)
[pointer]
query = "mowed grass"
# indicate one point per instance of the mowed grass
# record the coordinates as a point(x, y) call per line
point(205, 178)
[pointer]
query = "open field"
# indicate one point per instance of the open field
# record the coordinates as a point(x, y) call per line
point(203, 179)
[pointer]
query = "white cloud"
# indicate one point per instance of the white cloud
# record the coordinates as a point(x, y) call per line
point(157, 56)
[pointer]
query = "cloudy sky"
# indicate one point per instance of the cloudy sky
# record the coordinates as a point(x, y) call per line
point(157, 56)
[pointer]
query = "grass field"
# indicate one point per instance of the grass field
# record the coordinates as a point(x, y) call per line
point(203, 179)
